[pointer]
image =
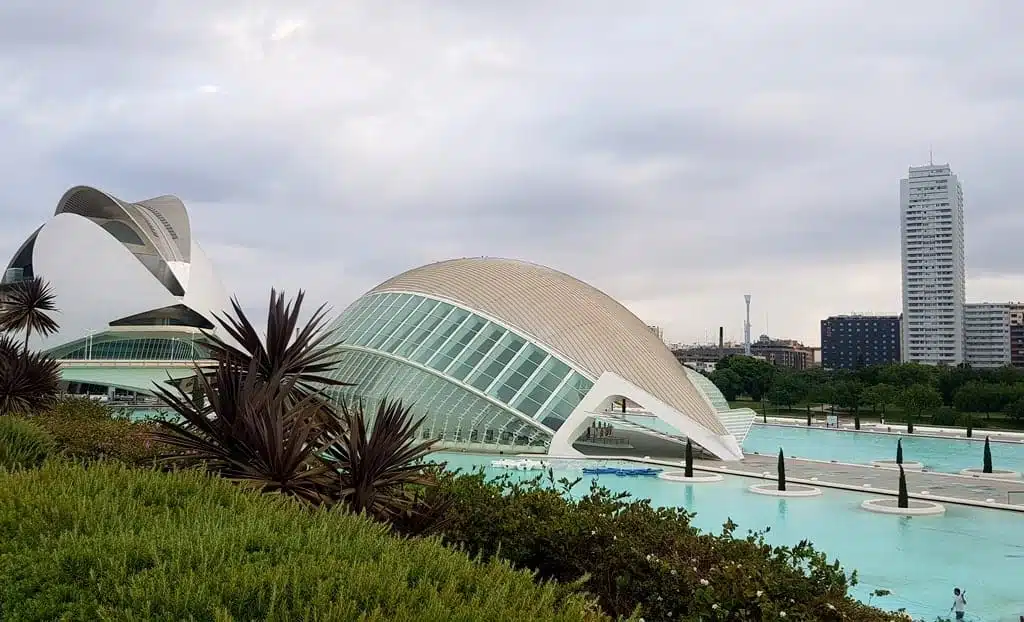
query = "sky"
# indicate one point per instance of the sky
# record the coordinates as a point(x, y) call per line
point(675, 154)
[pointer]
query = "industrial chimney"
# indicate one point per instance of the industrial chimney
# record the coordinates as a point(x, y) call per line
point(721, 342)
point(746, 327)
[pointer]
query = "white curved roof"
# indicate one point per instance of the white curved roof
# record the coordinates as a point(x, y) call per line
point(111, 261)
point(579, 322)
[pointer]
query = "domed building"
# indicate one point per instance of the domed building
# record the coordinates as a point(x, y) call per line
point(505, 355)
point(133, 287)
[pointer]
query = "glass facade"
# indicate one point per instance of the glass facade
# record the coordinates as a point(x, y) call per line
point(131, 350)
point(447, 359)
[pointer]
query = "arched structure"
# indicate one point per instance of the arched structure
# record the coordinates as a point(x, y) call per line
point(502, 353)
point(131, 282)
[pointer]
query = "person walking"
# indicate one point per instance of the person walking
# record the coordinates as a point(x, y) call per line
point(959, 603)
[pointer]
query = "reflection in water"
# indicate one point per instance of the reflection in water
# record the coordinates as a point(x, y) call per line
point(689, 497)
point(782, 509)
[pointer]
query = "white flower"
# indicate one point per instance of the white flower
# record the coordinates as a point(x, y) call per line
point(593, 533)
point(715, 606)
point(782, 614)
point(830, 606)
point(615, 537)
point(759, 593)
point(703, 581)
point(673, 572)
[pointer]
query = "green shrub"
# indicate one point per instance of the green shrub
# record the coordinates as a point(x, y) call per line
point(107, 542)
point(22, 444)
point(945, 417)
point(87, 430)
point(632, 555)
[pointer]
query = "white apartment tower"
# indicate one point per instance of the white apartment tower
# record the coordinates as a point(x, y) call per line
point(987, 333)
point(932, 231)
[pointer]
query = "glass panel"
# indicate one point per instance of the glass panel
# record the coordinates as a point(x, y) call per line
point(410, 323)
point(444, 331)
point(473, 355)
point(377, 303)
point(424, 329)
point(465, 334)
point(376, 319)
point(568, 398)
point(512, 381)
point(400, 314)
point(499, 359)
point(135, 350)
point(544, 384)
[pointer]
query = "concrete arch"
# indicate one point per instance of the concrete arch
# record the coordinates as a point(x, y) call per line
point(610, 386)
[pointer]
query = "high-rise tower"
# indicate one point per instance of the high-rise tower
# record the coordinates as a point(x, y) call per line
point(746, 327)
point(932, 234)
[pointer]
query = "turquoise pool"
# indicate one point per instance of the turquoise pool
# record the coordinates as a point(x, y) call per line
point(937, 454)
point(919, 560)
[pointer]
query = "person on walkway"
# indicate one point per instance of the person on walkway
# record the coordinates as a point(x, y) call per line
point(959, 603)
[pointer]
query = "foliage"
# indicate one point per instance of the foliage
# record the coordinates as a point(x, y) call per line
point(987, 458)
point(25, 307)
point(728, 382)
point(252, 432)
point(28, 380)
point(786, 390)
point(688, 460)
point(630, 554)
point(379, 467)
point(980, 397)
point(880, 396)
point(112, 543)
point(899, 451)
point(755, 375)
point(782, 470)
point(23, 444)
point(301, 356)
point(86, 430)
point(1015, 409)
point(918, 399)
point(903, 499)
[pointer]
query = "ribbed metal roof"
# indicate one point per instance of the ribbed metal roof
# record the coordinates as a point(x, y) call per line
point(573, 319)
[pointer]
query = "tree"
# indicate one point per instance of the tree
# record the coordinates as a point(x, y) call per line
point(848, 395)
point(987, 458)
point(903, 500)
point(880, 396)
point(1015, 409)
point(25, 307)
point(786, 390)
point(970, 425)
point(728, 382)
point(29, 381)
point(918, 399)
point(782, 471)
point(756, 375)
point(906, 375)
point(899, 451)
point(688, 469)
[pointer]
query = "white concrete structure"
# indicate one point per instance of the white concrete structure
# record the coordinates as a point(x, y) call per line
point(932, 230)
point(130, 281)
point(987, 334)
point(507, 355)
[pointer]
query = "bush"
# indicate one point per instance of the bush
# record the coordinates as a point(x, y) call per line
point(944, 417)
point(106, 542)
point(632, 555)
point(86, 430)
point(23, 445)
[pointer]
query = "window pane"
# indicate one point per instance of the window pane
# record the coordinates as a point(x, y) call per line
point(377, 321)
point(408, 325)
point(484, 344)
point(399, 312)
point(431, 345)
point(434, 318)
point(511, 345)
point(513, 381)
point(455, 347)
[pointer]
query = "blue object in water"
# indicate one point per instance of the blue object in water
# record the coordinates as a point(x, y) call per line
point(622, 471)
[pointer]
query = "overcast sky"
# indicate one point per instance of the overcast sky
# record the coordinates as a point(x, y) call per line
point(675, 154)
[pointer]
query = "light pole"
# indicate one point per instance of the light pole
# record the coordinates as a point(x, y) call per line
point(88, 345)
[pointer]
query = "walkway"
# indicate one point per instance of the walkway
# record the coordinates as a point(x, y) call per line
point(948, 488)
point(1007, 436)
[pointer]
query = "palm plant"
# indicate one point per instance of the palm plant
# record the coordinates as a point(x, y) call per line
point(25, 307)
point(379, 467)
point(29, 381)
point(301, 355)
point(252, 431)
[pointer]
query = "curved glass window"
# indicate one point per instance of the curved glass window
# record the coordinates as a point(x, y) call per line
point(133, 350)
point(468, 349)
point(123, 233)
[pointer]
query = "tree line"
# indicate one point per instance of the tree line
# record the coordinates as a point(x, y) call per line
point(916, 389)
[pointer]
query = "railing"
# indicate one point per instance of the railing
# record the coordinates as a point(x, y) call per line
point(130, 363)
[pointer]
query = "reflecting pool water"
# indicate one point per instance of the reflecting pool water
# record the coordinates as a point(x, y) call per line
point(937, 454)
point(919, 560)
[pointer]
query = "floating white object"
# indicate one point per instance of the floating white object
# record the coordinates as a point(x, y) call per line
point(520, 465)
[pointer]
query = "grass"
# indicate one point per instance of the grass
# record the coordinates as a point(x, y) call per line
point(106, 542)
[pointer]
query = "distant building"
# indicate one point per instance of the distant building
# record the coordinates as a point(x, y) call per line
point(855, 341)
point(704, 357)
point(1017, 334)
point(657, 330)
point(787, 353)
point(987, 334)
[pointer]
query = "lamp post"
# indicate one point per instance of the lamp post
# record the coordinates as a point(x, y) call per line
point(88, 345)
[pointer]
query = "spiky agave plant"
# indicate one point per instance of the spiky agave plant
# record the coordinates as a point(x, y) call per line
point(379, 465)
point(25, 307)
point(252, 430)
point(304, 356)
point(29, 381)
